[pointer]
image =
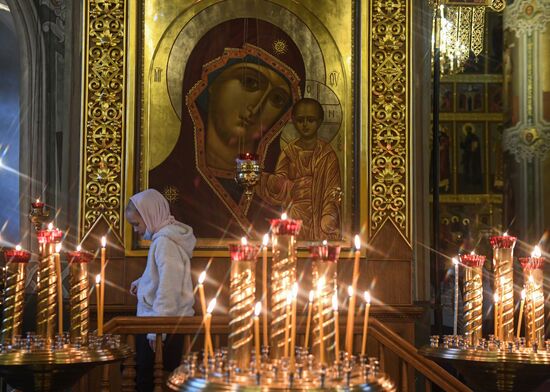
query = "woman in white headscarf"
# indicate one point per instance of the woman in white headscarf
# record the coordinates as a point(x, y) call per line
point(165, 287)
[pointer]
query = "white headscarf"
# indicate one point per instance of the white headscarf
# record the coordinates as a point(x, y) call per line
point(154, 209)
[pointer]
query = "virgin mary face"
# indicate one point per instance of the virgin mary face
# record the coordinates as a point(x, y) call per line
point(245, 100)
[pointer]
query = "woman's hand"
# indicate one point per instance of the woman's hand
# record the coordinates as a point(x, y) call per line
point(134, 288)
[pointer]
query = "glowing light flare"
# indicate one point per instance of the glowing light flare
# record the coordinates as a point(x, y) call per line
point(321, 285)
point(294, 292)
point(98, 279)
point(202, 277)
point(455, 261)
point(473, 253)
point(335, 302)
point(531, 279)
point(58, 247)
point(357, 241)
point(325, 242)
point(50, 226)
point(265, 240)
point(311, 295)
point(211, 306)
point(258, 309)
point(366, 295)
point(496, 298)
point(244, 241)
point(536, 252)
point(18, 248)
point(103, 242)
point(350, 291)
point(523, 294)
point(78, 248)
point(284, 216)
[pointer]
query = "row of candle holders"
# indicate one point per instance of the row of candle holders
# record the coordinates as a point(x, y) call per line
point(462, 342)
point(270, 373)
point(34, 343)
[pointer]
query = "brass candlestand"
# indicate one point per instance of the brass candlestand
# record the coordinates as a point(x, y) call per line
point(283, 276)
point(324, 258)
point(534, 312)
point(14, 293)
point(78, 302)
point(503, 250)
point(46, 293)
point(242, 288)
point(473, 297)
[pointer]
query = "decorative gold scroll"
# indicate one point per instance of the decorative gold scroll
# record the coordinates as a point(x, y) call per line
point(103, 114)
point(389, 151)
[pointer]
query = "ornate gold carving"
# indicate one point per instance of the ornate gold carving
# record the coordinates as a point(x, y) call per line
point(389, 154)
point(103, 114)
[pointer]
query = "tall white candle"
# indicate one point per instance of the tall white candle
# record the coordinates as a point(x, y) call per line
point(455, 322)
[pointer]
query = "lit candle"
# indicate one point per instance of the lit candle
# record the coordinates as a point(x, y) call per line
point(37, 203)
point(202, 278)
point(351, 291)
point(455, 323)
point(98, 300)
point(102, 272)
point(336, 327)
point(57, 259)
point(320, 288)
point(308, 322)
point(265, 242)
point(244, 241)
point(522, 304)
point(287, 321)
point(207, 336)
point(294, 325)
point(257, 311)
point(533, 290)
point(284, 216)
point(496, 299)
point(365, 324)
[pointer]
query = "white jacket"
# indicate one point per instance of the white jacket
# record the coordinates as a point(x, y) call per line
point(165, 288)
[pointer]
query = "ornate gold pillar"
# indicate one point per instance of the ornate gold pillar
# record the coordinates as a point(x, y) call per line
point(526, 63)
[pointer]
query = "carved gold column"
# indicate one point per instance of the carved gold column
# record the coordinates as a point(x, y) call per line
point(14, 294)
point(324, 258)
point(283, 276)
point(242, 290)
point(78, 302)
point(534, 311)
point(503, 259)
point(473, 296)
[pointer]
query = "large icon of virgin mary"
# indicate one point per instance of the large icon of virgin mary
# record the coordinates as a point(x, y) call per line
point(240, 82)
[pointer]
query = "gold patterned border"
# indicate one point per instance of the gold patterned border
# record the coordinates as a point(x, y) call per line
point(390, 123)
point(103, 114)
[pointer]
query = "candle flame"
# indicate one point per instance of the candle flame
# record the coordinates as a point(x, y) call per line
point(284, 216)
point(202, 277)
point(357, 241)
point(103, 242)
point(98, 279)
point(350, 291)
point(325, 242)
point(78, 248)
point(473, 253)
point(258, 309)
point(367, 297)
point(211, 306)
point(523, 294)
point(311, 294)
point(455, 261)
point(295, 290)
point(536, 252)
point(265, 240)
point(321, 284)
point(58, 247)
point(496, 298)
point(18, 248)
point(50, 226)
point(531, 279)
point(38, 200)
point(335, 302)
point(289, 297)
point(505, 234)
point(244, 241)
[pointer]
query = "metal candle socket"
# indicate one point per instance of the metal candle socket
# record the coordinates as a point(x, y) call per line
point(473, 297)
point(324, 258)
point(503, 257)
point(242, 289)
point(283, 277)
